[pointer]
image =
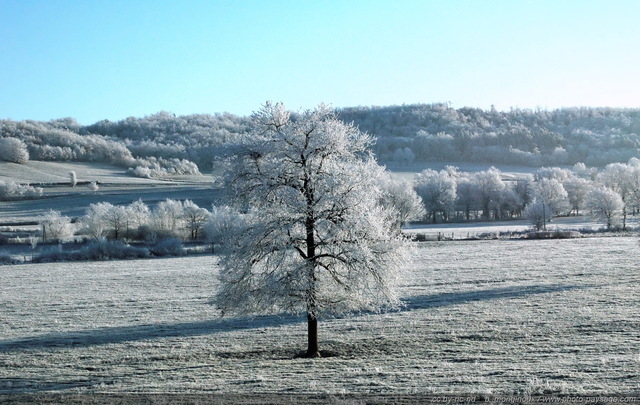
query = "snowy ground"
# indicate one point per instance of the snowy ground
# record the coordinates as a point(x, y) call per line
point(408, 171)
point(116, 187)
point(58, 172)
point(477, 229)
point(489, 317)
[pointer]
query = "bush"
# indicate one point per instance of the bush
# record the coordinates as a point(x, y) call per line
point(13, 150)
point(99, 250)
point(168, 247)
point(10, 191)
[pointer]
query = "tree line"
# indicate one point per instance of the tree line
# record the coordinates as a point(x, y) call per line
point(183, 220)
point(448, 195)
point(609, 194)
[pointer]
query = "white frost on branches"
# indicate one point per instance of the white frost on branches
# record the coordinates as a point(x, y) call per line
point(317, 239)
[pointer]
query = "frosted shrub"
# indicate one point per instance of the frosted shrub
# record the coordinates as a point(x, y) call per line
point(93, 186)
point(168, 247)
point(55, 226)
point(140, 171)
point(13, 150)
point(160, 167)
point(14, 191)
point(98, 250)
point(73, 179)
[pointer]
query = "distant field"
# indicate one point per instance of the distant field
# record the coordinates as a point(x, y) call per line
point(116, 187)
point(409, 170)
point(487, 317)
point(473, 229)
point(58, 172)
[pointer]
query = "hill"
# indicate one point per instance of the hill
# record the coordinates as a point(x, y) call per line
point(165, 144)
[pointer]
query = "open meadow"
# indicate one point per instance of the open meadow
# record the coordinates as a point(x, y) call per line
point(480, 317)
point(115, 186)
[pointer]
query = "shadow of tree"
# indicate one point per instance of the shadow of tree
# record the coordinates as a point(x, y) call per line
point(461, 297)
point(120, 334)
point(132, 333)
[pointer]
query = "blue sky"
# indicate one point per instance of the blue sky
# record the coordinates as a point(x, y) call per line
point(111, 59)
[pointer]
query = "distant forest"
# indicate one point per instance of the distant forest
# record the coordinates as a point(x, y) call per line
point(164, 143)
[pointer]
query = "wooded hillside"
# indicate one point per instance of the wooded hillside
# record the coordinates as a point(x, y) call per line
point(164, 143)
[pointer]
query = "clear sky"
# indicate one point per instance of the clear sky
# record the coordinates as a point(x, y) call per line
point(111, 59)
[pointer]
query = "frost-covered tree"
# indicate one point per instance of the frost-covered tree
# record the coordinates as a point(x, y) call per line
point(93, 221)
point(581, 170)
point(634, 201)
point(552, 193)
point(55, 226)
point(117, 219)
point(577, 189)
point(468, 199)
point(620, 178)
point(605, 204)
point(13, 150)
point(401, 199)
point(223, 222)
point(168, 217)
point(104, 219)
point(538, 213)
point(320, 242)
point(490, 187)
point(138, 213)
point(194, 218)
point(438, 192)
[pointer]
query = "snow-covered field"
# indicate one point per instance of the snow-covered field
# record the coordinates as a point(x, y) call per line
point(489, 317)
point(58, 172)
point(477, 229)
point(116, 187)
point(408, 171)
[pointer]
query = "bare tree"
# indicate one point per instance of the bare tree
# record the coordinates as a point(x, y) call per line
point(320, 242)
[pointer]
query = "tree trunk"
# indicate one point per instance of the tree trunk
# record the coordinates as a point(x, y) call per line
point(312, 328)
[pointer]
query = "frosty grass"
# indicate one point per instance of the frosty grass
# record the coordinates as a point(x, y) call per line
point(480, 317)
